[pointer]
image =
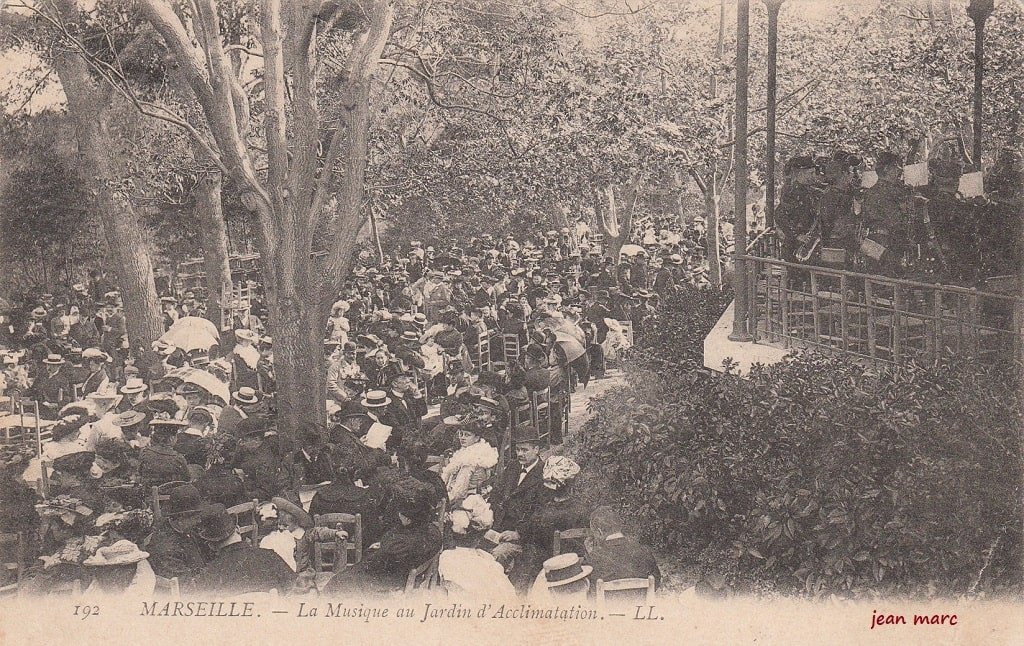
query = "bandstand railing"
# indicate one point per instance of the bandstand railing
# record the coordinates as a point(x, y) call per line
point(879, 318)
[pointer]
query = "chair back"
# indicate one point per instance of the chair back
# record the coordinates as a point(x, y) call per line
point(247, 521)
point(424, 576)
point(12, 546)
point(510, 347)
point(167, 587)
point(578, 533)
point(540, 413)
point(626, 591)
point(348, 551)
point(159, 496)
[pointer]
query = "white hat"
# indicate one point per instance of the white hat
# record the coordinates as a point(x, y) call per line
point(95, 353)
point(123, 552)
point(247, 335)
point(565, 569)
point(375, 399)
point(133, 385)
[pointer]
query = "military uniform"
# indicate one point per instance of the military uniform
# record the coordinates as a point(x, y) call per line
point(887, 218)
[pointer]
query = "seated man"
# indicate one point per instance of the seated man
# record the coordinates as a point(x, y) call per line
point(615, 556)
point(237, 568)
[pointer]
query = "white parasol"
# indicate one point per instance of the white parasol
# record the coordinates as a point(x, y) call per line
point(192, 333)
point(201, 379)
point(631, 250)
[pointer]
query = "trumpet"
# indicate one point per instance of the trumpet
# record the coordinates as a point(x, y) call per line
point(809, 243)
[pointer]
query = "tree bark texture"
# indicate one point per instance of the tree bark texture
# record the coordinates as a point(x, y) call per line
point(89, 108)
point(210, 215)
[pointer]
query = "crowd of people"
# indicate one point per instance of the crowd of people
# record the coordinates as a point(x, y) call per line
point(449, 379)
point(920, 227)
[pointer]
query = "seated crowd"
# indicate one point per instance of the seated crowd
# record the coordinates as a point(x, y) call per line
point(449, 382)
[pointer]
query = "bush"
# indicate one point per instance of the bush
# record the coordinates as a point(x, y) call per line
point(818, 475)
point(676, 335)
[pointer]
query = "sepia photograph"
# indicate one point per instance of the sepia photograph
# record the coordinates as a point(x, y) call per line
point(509, 321)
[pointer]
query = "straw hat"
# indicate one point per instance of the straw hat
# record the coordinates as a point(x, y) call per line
point(133, 386)
point(123, 552)
point(565, 569)
point(375, 399)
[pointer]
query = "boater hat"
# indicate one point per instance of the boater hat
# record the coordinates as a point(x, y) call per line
point(565, 569)
point(375, 399)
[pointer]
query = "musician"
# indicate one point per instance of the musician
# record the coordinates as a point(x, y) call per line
point(796, 215)
point(839, 222)
point(950, 221)
point(887, 214)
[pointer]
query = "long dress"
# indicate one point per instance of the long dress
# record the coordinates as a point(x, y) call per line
point(473, 574)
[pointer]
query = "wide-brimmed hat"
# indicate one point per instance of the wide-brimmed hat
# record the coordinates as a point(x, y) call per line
point(39, 312)
point(133, 386)
point(675, 259)
point(559, 470)
point(565, 569)
point(409, 335)
point(123, 552)
point(247, 335)
point(246, 395)
point(166, 426)
point(375, 399)
point(128, 418)
point(298, 513)
point(54, 360)
point(215, 523)
point(95, 353)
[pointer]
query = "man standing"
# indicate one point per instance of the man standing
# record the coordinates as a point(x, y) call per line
point(886, 212)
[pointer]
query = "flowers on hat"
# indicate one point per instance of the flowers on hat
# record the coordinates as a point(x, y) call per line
point(559, 470)
point(475, 514)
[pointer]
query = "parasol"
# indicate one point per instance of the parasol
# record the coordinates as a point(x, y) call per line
point(201, 379)
point(631, 250)
point(568, 336)
point(191, 333)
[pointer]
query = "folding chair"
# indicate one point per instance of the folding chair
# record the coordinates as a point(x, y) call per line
point(567, 534)
point(423, 577)
point(353, 524)
point(167, 587)
point(247, 522)
point(632, 588)
point(13, 546)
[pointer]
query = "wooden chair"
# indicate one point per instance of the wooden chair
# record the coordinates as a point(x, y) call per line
point(354, 543)
point(167, 587)
point(510, 348)
point(631, 586)
point(540, 413)
point(159, 496)
point(247, 521)
point(483, 351)
point(13, 546)
point(567, 534)
point(423, 577)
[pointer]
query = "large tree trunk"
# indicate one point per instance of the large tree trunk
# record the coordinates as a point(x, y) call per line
point(210, 214)
point(89, 108)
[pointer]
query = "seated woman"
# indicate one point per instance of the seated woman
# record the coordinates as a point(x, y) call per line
point(121, 569)
point(471, 465)
point(413, 541)
point(466, 570)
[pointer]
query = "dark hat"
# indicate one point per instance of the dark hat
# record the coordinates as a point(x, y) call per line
point(535, 351)
point(215, 523)
point(298, 513)
point(412, 498)
point(113, 449)
point(78, 463)
point(68, 425)
point(182, 499)
point(526, 433)
point(253, 425)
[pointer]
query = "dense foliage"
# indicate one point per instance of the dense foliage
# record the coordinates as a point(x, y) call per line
point(818, 475)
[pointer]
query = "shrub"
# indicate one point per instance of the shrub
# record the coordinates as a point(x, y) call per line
point(818, 475)
point(676, 335)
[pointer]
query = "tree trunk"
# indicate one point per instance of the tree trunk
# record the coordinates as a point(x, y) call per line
point(300, 371)
point(712, 207)
point(616, 231)
point(210, 214)
point(130, 255)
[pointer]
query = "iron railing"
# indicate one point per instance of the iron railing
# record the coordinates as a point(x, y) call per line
point(880, 318)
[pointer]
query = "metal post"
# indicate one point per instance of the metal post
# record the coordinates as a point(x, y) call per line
point(773, 7)
point(739, 274)
point(979, 11)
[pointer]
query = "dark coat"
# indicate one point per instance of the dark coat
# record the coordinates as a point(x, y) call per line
point(173, 554)
point(516, 504)
point(349, 499)
point(386, 569)
point(161, 464)
point(240, 569)
point(623, 558)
